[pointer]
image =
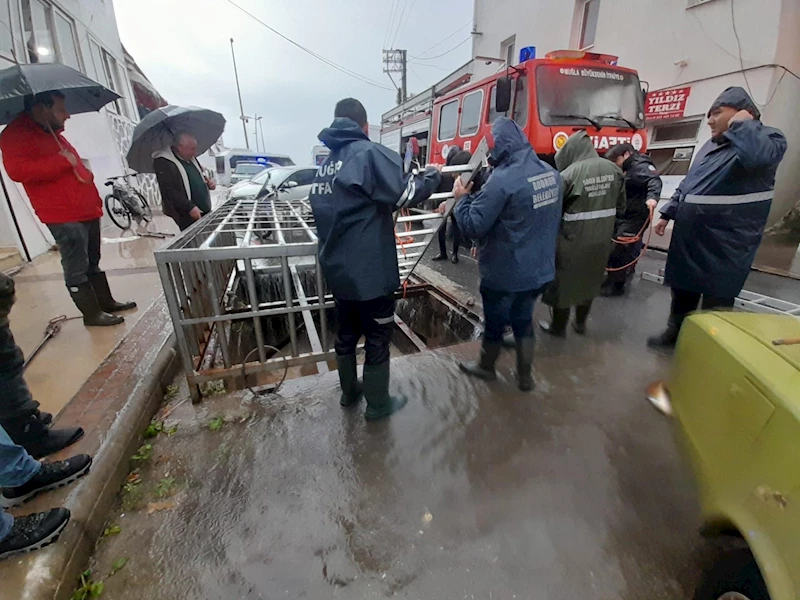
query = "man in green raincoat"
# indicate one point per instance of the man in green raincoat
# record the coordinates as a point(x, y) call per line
point(593, 196)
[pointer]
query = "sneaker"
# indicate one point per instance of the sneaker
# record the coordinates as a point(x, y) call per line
point(34, 532)
point(50, 477)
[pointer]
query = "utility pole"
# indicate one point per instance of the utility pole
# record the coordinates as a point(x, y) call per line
point(396, 61)
point(257, 122)
point(239, 91)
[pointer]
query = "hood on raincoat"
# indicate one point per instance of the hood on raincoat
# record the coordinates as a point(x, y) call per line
point(579, 147)
point(342, 131)
point(508, 138)
point(736, 97)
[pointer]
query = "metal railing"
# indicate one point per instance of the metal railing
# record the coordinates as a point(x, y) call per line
point(243, 281)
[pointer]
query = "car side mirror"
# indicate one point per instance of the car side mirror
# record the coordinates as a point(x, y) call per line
point(502, 100)
point(290, 184)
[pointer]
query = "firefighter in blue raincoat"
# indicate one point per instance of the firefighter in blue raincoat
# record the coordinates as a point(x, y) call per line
point(353, 196)
point(720, 210)
point(515, 217)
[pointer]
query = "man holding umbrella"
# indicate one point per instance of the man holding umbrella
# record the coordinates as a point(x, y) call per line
point(167, 142)
point(62, 192)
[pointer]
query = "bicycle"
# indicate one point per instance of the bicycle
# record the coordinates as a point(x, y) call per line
point(126, 204)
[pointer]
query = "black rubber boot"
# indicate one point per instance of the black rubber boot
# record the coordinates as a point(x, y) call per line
point(484, 367)
point(454, 260)
point(613, 290)
point(85, 299)
point(106, 301)
point(34, 531)
point(669, 337)
point(440, 257)
point(376, 390)
point(581, 316)
point(558, 326)
point(38, 439)
point(508, 340)
point(348, 380)
point(51, 476)
point(525, 364)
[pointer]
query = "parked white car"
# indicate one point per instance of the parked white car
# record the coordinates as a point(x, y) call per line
point(284, 183)
point(251, 187)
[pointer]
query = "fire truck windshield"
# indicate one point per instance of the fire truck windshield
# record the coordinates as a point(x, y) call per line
point(577, 95)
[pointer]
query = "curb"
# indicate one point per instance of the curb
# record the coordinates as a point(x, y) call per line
point(52, 573)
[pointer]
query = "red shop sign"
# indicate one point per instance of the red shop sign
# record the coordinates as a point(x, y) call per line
point(666, 104)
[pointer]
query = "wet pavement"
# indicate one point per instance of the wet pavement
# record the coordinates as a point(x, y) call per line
point(473, 491)
point(68, 360)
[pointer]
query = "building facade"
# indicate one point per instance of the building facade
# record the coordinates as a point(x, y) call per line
point(688, 51)
point(81, 34)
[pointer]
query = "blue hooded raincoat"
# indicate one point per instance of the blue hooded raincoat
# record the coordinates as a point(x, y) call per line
point(353, 196)
point(516, 215)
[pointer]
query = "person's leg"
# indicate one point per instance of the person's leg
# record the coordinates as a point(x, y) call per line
point(19, 413)
point(522, 324)
point(96, 276)
point(557, 327)
point(581, 316)
point(346, 342)
point(456, 237)
point(496, 311)
point(442, 235)
point(717, 303)
point(377, 323)
point(17, 467)
point(73, 245)
point(683, 303)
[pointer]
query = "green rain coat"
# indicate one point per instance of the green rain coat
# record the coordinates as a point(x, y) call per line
point(594, 196)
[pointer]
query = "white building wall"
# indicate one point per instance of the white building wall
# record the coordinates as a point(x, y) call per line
point(99, 138)
point(672, 45)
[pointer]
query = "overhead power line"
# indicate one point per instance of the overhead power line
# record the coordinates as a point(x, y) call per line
point(389, 25)
point(445, 53)
point(330, 63)
point(439, 43)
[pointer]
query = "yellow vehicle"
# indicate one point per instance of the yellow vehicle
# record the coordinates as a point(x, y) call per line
point(735, 396)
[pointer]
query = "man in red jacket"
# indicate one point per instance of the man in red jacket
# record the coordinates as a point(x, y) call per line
point(62, 192)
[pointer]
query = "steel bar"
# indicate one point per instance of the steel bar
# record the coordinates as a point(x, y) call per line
point(253, 297)
point(413, 337)
point(216, 301)
point(308, 319)
point(323, 312)
point(287, 288)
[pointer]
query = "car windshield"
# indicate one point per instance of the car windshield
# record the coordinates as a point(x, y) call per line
point(248, 169)
point(262, 177)
point(277, 175)
point(579, 96)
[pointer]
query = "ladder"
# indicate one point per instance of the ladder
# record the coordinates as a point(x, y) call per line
point(749, 300)
point(412, 243)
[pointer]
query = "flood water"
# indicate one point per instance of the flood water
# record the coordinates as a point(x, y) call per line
point(472, 491)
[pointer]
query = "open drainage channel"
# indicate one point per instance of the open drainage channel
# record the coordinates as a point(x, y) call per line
point(426, 318)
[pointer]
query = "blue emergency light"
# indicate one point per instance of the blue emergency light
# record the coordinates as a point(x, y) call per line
point(527, 53)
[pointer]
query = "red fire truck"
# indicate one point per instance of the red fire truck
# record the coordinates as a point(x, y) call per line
point(550, 99)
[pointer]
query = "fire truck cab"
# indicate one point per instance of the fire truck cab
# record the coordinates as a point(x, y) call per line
point(550, 99)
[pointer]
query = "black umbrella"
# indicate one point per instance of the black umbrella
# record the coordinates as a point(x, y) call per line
point(157, 132)
point(81, 94)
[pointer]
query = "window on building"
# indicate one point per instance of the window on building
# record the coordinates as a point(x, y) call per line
point(7, 50)
point(38, 31)
point(507, 50)
point(67, 42)
point(471, 113)
point(591, 10)
point(671, 132)
point(448, 121)
point(672, 160)
point(521, 101)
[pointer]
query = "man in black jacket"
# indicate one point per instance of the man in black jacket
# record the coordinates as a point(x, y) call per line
point(643, 191)
point(184, 189)
point(353, 196)
point(454, 157)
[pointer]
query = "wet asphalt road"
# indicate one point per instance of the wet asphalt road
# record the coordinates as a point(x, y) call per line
point(473, 491)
